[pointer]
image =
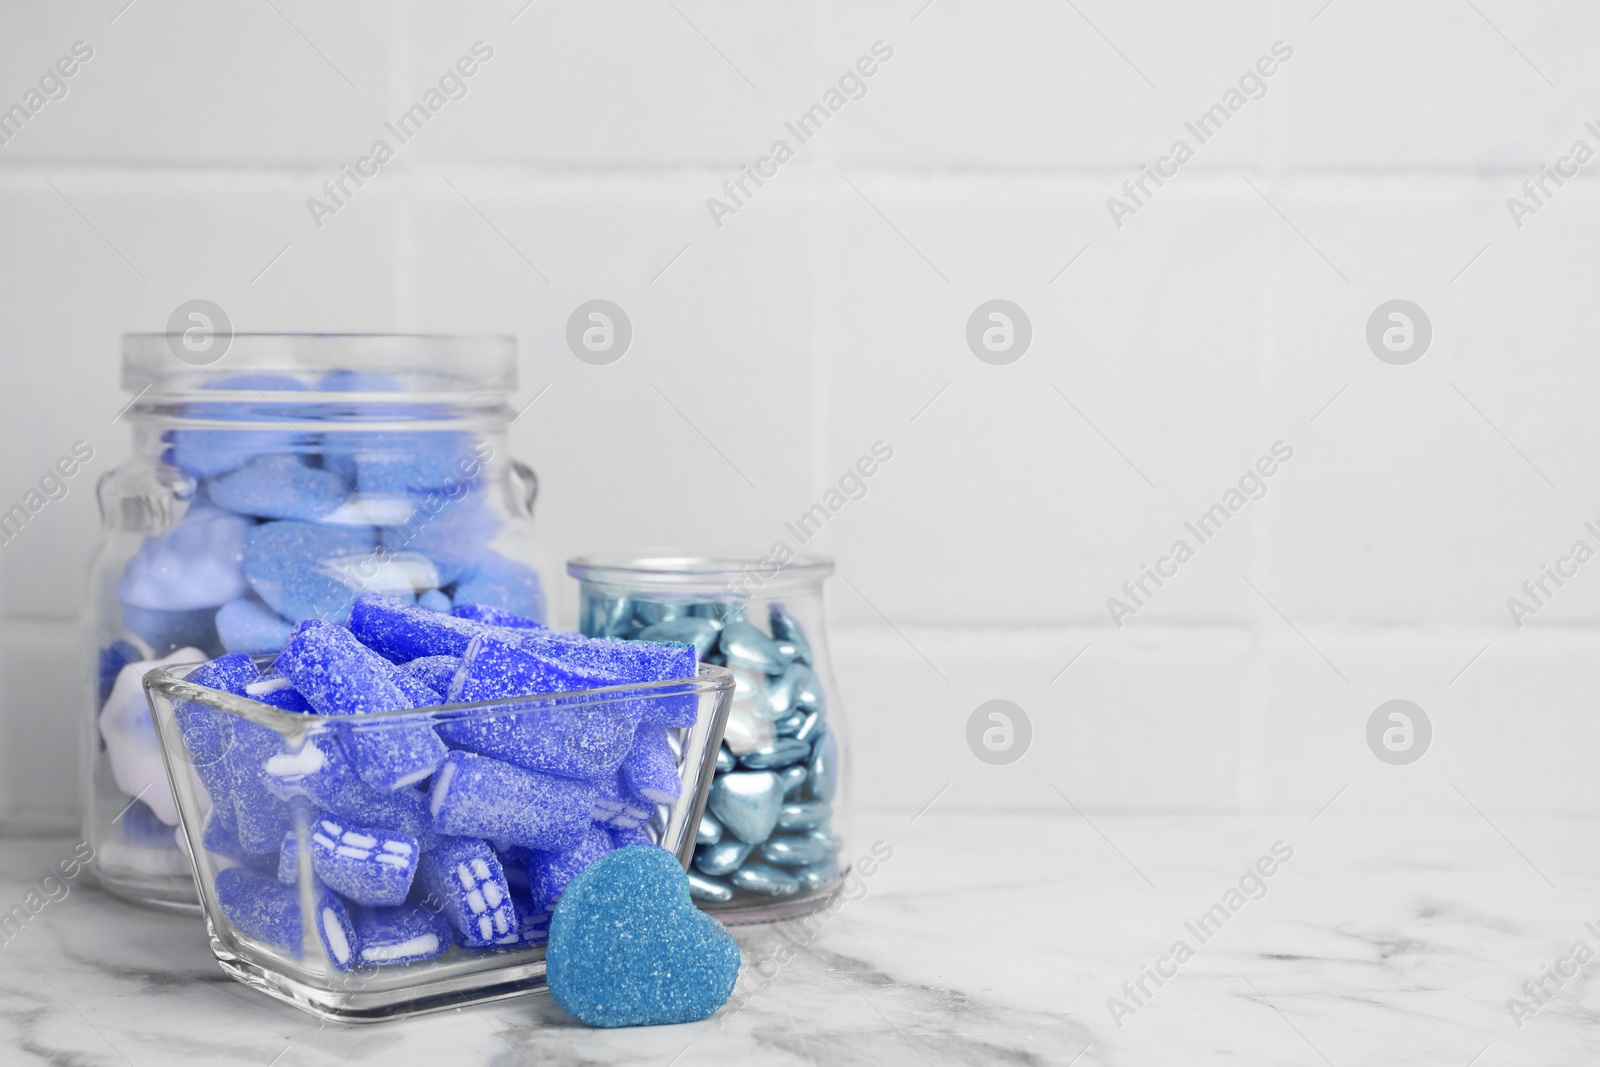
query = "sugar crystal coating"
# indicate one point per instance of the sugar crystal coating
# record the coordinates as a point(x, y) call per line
point(463, 878)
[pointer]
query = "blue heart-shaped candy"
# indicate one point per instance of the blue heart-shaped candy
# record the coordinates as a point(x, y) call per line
point(628, 947)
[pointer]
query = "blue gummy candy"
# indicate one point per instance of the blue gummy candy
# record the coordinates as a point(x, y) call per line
point(321, 771)
point(402, 632)
point(267, 910)
point(455, 534)
point(163, 632)
point(221, 840)
point(629, 948)
point(434, 600)
point(247, 625)
point(207, 453)
point(407, 934)
point(616, 805)
point(492, 616)
point(340, 676)
point(623, 836)
point(475, 796)
point(280, 486)
point(551, 872)
point(626, 662)
point(303, 570)
point(463, 878)
point(650, 769)
point(276, 690)
point(208, 733)
point(262, 818)
point(365, 864)
point(435, 672)
point(503, 583)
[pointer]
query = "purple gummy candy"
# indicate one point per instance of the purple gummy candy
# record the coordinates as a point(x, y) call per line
point(365, 864)
point(267, 910)
point(208, 733)
point(278, 691)
point(400, 935)
point(280, 486)
point(463, 878)
point(339, 676)
point(296, 567)
point(551, 871)
point(322, 772)
point(492, 616)
point(650, 769)
point(434, 672)
point(622, 837)
point(616, 805)
point(402, 632)
point(475, 796)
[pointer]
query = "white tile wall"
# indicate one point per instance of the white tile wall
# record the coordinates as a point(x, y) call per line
point(830, 311)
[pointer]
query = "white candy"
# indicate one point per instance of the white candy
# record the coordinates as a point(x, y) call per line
point(131, 741)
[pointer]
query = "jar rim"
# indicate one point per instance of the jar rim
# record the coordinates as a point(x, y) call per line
point(684, 574)
point(449, 363)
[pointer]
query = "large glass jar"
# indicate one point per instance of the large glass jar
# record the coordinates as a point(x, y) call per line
point(272, 485)
point(771, 844)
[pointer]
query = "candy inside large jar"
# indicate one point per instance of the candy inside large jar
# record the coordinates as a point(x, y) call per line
point(278, 484)
point(771, 842)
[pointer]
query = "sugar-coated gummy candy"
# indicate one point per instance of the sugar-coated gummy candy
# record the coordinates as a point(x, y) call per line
point(339, 676)
point(475, 796)
point(368, 865)
point(435, 672)
point(650, 769)
point(208, 733)
point(321, 771)
point(164, 631)
point(247, 625)
point(403, 632)
point(550, 872)
point(405, 934)
point(493, 616)
point(277, 690)
point(464, 879)
point(629, 948)
point(267, 910)
point(434, 600)
point(196, 564)
point(262, 818)
point(623, 836)
point(297, 567)
point(280, 486)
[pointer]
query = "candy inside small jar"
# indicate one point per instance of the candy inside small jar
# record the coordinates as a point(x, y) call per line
point(769, 843)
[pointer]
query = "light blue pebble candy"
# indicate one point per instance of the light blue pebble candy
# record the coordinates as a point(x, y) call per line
point(745, 646)
point(725, 760)
point(799, 850)
point(808, 694)
point(463, 877)
point(434, 600)
point(786, 629)
point(701, 633)
point(763, 880)
point(804, 815)
point(280, 486)
point(475, 796)
point(781, 696)
point(722, 857)
point(291, 566)
point(710, 831)
point(821, 768)
point(368, 865)
point(708, 889)
point(390, 936)
point(792, 778)
point(810, 729)
point(747, 803)
point(249, 626)
point(781, 753)
point(790, 724)
point(816, 875)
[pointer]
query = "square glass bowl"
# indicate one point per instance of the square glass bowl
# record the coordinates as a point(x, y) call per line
point(294, 937)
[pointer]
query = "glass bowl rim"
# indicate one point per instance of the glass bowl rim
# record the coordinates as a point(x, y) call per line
point(708, 678)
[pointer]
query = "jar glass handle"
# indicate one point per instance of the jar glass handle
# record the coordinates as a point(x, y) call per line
point(528, 482)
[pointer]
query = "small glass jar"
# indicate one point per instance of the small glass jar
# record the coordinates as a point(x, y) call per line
point(273, 485)
point(772, 842)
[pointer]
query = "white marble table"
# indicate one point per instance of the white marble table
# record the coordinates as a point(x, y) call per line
point(986, 939)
